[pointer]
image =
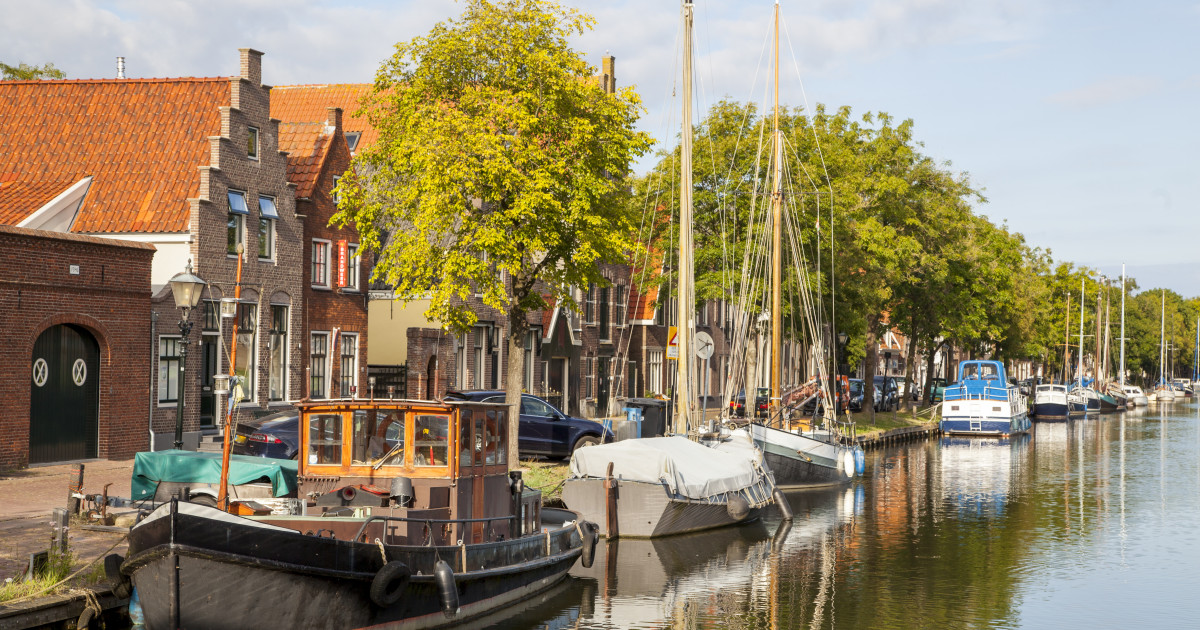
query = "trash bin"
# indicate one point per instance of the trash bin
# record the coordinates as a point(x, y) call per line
point(654, 415)
point(633, 418)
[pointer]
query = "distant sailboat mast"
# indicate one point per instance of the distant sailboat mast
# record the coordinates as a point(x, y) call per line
point(776, 400)
point(1079, 373)
point(1122, 374)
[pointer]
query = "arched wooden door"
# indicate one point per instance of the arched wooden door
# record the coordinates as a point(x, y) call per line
point(64, 404)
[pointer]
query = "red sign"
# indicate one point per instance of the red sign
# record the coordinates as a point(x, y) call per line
point(341, 280)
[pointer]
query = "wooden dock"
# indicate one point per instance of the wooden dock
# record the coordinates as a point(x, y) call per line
point(898, 436)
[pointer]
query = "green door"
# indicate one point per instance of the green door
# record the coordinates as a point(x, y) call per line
point(65, 400)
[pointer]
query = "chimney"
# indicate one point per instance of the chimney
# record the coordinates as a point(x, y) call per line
point(333, 119)
point(120, 67)
point(610, 75)
point(251, 65)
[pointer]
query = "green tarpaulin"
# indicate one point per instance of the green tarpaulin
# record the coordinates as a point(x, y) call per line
point(151, 468)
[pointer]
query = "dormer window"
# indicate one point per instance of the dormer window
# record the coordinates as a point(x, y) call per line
point(252, 143)
point(352, 139)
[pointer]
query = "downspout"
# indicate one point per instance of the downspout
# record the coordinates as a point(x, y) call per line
point(153, 357)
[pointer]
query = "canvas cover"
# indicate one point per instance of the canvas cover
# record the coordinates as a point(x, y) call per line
point(683, 466)
point(150, 468)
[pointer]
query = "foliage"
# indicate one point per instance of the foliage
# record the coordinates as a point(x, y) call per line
point(27, 72)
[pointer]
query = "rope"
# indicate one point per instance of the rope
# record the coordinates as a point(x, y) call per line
point(90, 600)
point(69, 577)
point(382, 551)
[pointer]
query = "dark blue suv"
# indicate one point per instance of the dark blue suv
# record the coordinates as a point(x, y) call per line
point(544, 430)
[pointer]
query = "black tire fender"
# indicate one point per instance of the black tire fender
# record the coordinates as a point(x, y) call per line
point(122, 586)
point(85, 618)
point(387, 587)
point(590, 531)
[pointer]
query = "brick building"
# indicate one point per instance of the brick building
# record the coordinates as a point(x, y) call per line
point(192, 166)
point(74, 354)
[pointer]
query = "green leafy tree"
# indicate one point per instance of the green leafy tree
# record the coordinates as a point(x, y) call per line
point(26, 72)
point(498, 170)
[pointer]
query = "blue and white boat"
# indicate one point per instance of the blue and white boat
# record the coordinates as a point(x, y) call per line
point(983, 402)
point(1050, 403)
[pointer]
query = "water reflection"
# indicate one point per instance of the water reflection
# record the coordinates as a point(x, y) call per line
point(1088, 523)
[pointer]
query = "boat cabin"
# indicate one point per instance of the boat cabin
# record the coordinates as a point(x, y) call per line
point(443, 462)
point(978, 379)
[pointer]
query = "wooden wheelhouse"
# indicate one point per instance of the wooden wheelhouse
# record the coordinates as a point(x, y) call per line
point(442, 467)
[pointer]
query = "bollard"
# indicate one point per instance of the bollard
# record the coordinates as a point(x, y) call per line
point(62, 527)
point(75, 490)
point(610, 504)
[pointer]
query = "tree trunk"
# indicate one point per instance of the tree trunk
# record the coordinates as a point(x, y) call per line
point(908, 370)
point(872, 360)
point(517, 327)
point(928, 393)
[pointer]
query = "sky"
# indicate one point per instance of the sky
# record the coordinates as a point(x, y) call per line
point(1077, 118)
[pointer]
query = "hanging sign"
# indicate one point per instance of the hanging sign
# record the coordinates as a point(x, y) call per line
point(673, 343)
point(341, 275)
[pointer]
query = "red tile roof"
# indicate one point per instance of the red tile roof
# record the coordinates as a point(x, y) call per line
point(306, 144)
point(19, 199)
point(142, 139)
point(308, 103)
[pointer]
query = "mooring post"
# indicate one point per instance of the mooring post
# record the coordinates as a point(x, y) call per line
point(62, 527)
point(74, 490)
point(610, 504)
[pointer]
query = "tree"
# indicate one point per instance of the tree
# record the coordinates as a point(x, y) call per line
point(498, 170)
point(26, 72)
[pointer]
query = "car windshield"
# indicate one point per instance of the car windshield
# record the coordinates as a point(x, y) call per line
point(856, 387)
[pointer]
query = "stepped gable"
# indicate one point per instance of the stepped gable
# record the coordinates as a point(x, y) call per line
point(142, 139)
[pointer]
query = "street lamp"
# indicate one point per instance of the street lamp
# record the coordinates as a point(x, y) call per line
point(186, 287)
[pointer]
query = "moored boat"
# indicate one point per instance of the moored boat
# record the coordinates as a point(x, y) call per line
point(1134, 396)
point(1050, 403)
point(983, 402)
point(1090, 397)
point(414, 521)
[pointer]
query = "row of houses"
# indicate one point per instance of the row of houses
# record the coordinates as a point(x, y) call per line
point(111, 187)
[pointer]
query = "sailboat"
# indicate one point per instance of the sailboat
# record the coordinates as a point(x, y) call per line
point(1080, 388)
point(1163, 392)
point(1133, 394)
point(652, 487)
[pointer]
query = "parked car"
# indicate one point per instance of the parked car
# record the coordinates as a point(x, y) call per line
point(857, 392)
point(889, 394)
point(737, 406)
point(275, 435)
point(543, 429)
point(937, 389)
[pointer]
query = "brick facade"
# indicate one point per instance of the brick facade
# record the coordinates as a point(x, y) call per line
point(109, 297)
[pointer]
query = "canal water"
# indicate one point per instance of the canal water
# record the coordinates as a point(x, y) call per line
point(1087, 524)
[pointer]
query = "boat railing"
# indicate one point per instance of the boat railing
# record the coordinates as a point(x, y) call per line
point(429, 523)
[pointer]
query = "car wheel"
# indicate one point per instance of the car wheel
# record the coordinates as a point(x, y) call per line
point(203, 499)
point(587, 440)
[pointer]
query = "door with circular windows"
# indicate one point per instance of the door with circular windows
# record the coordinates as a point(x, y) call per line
point(65, 397)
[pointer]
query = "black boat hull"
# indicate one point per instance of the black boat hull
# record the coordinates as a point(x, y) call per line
point(792, 472)
point(217, 574)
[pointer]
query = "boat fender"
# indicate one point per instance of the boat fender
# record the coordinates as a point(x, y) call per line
point(112, 568)
point(85, 618)
point(785, 508)
point(737, 506)
point(590, 533)
point(443, 576)
point(848, 463)
point(860, 461)
point(387, 587)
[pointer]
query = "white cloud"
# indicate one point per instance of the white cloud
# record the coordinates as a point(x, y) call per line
point(1107, 91)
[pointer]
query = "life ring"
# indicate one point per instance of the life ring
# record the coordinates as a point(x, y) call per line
point(590, 531)
point(387, 587)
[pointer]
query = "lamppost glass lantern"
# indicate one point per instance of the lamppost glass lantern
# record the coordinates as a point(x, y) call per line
point(187, 288)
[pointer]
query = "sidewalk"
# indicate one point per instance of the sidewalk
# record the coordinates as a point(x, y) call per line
point(27, 501)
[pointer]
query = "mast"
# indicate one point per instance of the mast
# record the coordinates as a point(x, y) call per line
point(1096, 355)
point(227, 442)
point(686, 309)
point(1196, 354)
point(1162, 342)
point(1107, 331)
point(776, 243)
point(1067, 339)
point(1079, 374)
point(1122, 374)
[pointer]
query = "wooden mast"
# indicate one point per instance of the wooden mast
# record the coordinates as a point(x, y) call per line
point(227, 445)
point(776, 245)
point(1079, 373)
point(1121, 376)
point(686, 308)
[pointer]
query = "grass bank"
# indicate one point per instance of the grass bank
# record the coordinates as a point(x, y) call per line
point(546, 476)
point(866, 425)
point(58, 567)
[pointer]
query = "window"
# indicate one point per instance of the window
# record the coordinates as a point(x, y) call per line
point(589, 376)
point(702, 314)
point(325, 439)
point(320, 263)
point(602, 308)
point(619, 313)
point(348, 375)
point(277, 347)
point(352, 267)
point(235, 227)
point(480, 335)
point(252, 142)
point(211, 316)
point(333, 193)
point(533, 342)
point(430, 440)
point(654, 375)
point(318, 352)
point(246, 363)
point(168, 369)
point(589, 305)
point(378, 438)
point(266, 228)
point(352, 138)
point(460, 362)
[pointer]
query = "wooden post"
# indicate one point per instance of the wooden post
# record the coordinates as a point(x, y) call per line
point(62, 527)
point(610, 504)
point(74, 489)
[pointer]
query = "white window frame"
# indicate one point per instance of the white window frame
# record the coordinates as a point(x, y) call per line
point(169, 375)
point(327, 246)
point(343, 386)
point(479, 348)
point(654, 371)
point(253, 143)
point(251, 388)
point(333, 195)
point(287, 335)
point(239, 218)
point(352, 268)
point(324, 394)
point(267, 217)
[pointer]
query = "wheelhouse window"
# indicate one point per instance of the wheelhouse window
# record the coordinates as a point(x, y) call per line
point(235, 226)
point(266, 228)
point(252, 142)
point(430, 440)
point(246, 355)
point(277, 346)
point(318, 383)
point(320, 263)
point(325, 439)
point(348, 375)
point(378, 438)
point(168, 369)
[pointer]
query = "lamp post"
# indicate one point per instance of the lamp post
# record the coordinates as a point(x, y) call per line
point(186, 287)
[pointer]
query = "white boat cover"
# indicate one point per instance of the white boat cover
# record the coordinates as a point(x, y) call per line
point(687, 469)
